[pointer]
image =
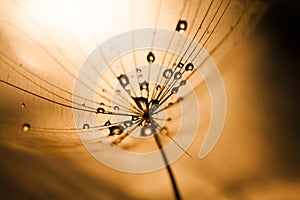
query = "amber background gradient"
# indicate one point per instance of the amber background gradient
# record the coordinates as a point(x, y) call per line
point(257, 156)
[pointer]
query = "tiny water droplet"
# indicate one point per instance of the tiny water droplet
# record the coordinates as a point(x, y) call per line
point(86, 126)
point(128, 123)
point(183, 82)
point(144, 86)
point(174, 90)
point(116, 108)
point(189, 67)
point(101, 104)
point(23, 105)
point(164, 131)
point(100, 110)
point(168, 73)
point(138, 70)
point(180, 65)
point(177, 75)
point(150, 57)
point(107, 123)
point(158, 87)
point(123, 79)
point(134, 118)
point(181, 26)
point(118, 91)
point(26, 127)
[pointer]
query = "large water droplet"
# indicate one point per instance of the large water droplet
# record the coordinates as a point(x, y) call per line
point(86, 126)
point(100, 110)
point(26, 127)
point(189, 67)
point(150, 57)
point(181, 26)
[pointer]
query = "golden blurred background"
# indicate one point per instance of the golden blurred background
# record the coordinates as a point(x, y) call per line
point(257, 155)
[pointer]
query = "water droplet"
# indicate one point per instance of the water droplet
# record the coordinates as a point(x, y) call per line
point(23, 105)
point(180, 65)
point(147, 131)
point(107, 123)
point(134, 118)
point(123, 79)
point(164, 131)
point(26, 127)
point(180, 99)
point(116, 108)
point(128, 123)
point(118, 91)
point(150, 57)
point(168, 73)
point(144, 86)
point(101, 104)
point(100, 110)
point(189, 67)
point(177, 75)
point(181, 26)
point(138, 70)
point(183, 82)
point(174, 90)
point(158, 87)
point(86, 126)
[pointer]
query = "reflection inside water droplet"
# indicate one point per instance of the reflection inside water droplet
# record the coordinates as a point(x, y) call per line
point(150, 57)
point(116, 108)
point(26, 127)
point(86, 126)
point(23, 105)
point(100, 110)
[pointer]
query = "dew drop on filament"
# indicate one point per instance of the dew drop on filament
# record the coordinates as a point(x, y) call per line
point(150, 57)
point(181, 26)
point(26, 127)
point(86, 126)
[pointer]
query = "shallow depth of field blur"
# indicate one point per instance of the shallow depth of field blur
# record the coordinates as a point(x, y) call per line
point(256, 157)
